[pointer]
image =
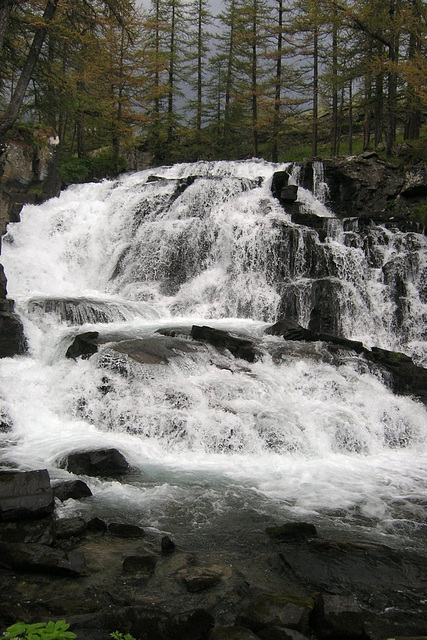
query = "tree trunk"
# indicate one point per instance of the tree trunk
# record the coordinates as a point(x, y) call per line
point(277, 95)
point(12, 112)
point(315, 88)
point(334, 132)
point(5, 9)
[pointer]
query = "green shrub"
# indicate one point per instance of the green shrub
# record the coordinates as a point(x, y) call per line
point(78, 170)
point(40, 631)
point(420, 214)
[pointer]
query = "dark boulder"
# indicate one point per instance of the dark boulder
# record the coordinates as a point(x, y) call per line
point(238, 347)
point(75, 489)
point(292, 531)
point(407, 377)
point(273, 610)
point(291, 330)
point(70, 527)
point(103, 463)
point(12, 338)
point(41, 558)
point(124, 530)
point(338, 617)
point(41, 531)
point(83, 345)
point(232, 633)
point(25, 494)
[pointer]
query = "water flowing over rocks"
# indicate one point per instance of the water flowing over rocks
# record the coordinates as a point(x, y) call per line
point(237, 379)
point(317, 588)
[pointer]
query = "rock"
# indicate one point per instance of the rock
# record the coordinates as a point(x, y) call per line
point(158, 349)
point(280, 633)
point(70, 527)
point(102, 463)
point(359, 185)
point(74, 489)
point(12, 338)
point(84, 345)
point(231, 633)
point(415, 184)
point(292, 531)
point(291, 330)
point(25, 494)
point(191, 625)
point(407, 377)
point(123, 530)
point(145, 564)
point(41, 531)
point(355, 567)
point(167, 545)
point(41, 559)
point(270, 610)
point(200, 578)
point(337, 617)
point(239, 347)
point(98, 525)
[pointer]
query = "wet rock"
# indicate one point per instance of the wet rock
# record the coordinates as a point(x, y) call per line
point(97, 525)
point(167, 545)
point(103, 463)
point(41, 559)
point(123, 530)
point(84, 345)
point(145, 564)
point(232, 633)
point(200, 578)
point(355, 567)
point(25, 494)
point(292, 531)
point(270, 610)
point(291, 330)
point(12, 339)
point(336, 617)
point(415, 184)
point(239, 347)
point(280, 633)
point(158, 349)
point(407, 377)
point(75, 489)
point(41, 531)
point(70, 527)
point(191, 625)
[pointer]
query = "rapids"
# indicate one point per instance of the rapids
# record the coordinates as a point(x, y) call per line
point(211, 437)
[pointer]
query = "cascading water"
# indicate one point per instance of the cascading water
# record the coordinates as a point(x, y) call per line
point(292, 434)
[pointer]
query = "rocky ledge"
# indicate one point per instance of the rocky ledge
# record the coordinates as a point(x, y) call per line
point(266, 581)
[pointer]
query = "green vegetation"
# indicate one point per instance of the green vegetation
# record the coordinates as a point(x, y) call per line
point(263, 78)
point(49, 631)
point(40, 631)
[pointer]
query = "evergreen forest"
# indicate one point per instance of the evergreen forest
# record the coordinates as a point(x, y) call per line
point(276, 79)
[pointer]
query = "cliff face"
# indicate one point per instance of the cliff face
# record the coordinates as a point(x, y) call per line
point(27, 175)
point(363, 186)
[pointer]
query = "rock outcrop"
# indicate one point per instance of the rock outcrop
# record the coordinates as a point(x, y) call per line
point(28, 174)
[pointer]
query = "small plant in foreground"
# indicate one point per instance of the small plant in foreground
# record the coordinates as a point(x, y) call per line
point(117, 635)
point(39, 631)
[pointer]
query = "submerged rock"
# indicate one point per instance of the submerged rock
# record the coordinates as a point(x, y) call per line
point(239, 347)
point(84, 345)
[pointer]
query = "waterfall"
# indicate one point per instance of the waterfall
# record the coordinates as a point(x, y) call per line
point(143, 258)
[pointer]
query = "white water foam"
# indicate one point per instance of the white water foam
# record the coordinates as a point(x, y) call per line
point(293, 434)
